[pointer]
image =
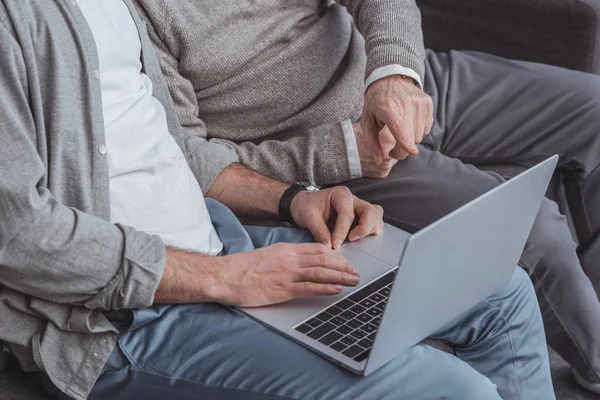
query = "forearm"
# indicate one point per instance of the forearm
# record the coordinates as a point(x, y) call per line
point(246, 192)
point(188, 278)
point(322, 155)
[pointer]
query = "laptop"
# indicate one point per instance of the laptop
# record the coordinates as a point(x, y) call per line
point(413, 285)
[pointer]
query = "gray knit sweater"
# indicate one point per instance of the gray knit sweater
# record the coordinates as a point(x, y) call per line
point(276, 79)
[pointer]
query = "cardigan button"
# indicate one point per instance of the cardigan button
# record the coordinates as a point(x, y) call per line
point(102, 149)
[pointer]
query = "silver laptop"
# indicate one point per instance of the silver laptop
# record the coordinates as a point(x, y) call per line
point(413, 285)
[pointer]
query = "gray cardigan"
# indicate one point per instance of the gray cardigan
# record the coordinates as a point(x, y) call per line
point(227, 61)
point(62, 263)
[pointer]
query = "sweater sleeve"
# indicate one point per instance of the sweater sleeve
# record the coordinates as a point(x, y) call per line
point(392, 32)
point(48, 250)
point(320, 155)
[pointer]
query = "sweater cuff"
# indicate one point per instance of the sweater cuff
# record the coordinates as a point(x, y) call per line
point(352, 147)
point(330, 156)
point(394, 69)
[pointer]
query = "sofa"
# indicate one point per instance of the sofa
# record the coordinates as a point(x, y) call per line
point(565, 33)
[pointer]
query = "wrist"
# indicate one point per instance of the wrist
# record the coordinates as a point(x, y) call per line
point(296, 205)
point(286, 214)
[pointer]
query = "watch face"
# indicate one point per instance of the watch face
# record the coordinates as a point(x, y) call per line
point(308, 186)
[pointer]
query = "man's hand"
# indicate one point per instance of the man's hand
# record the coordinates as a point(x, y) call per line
point(281, 272)
point(260, 277)
point(338, 206)
point(395, 102)
point(368, 162)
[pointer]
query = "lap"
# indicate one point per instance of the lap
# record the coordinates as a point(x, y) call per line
point(215, 351)
point(212, 351)
point(490, 109)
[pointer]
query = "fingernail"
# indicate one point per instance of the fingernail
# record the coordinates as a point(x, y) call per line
point(337, 243)
point(353, 237)
point(354, 279)
point(338, 288)
point(355, 272)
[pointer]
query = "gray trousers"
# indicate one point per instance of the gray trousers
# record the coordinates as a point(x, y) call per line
point(491, 111)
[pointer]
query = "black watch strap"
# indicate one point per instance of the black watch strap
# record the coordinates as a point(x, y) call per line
point(285, 203)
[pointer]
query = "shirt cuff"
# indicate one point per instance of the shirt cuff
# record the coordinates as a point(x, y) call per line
point(393, 69)
point(352, 147)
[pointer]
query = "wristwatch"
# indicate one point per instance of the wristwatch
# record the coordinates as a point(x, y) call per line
point(285, 203)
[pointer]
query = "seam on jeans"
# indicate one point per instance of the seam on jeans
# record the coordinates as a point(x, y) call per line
point(512, 347)
point(129, 356)
point(171, 378)
point(581, 353)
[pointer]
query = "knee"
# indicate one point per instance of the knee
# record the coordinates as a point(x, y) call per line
point(516, 303)
point(550, 248)
point(521, 288)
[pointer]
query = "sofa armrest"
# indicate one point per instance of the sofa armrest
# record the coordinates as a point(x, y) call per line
point(565, 33)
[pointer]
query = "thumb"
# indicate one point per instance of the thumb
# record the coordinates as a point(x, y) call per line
point(370, 133)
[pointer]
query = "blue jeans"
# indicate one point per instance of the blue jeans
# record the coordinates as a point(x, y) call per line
point(208, 351)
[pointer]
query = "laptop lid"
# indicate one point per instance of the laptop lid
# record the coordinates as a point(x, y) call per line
point(455, 263)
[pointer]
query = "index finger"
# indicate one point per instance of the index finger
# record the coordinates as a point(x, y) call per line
point(343, 203)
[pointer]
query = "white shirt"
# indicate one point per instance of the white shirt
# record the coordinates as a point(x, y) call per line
point(151, 185)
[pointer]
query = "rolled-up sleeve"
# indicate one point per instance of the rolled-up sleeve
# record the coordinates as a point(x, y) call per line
point(51, 251)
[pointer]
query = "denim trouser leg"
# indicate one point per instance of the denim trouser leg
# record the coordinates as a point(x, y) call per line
point(208, 351)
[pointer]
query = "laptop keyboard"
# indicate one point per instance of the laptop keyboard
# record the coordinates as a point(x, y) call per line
point(349, 326)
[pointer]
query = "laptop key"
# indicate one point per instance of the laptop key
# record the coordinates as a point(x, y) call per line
point(358, 334)
point(345, 304)
point(314, 322)
point(365, 343)
point(364, 317)
point(371, 336)
point(377, 297)
point(338, 321)
point(334, 310)
point(324, 316)
point(385, 291)
point(347, 314)
point(330, 338)
point(349, 340)
point(321, 330)
point(304, 328)
point(374, 312)
point(381, 305)
point(344, 330)
point(372, 287)
point(376, 321)
point(362, 356)
point(353, 351)
point(357, 308)
point(354, 323)
point(368, 303)
point(338, 346)
point(369, 328)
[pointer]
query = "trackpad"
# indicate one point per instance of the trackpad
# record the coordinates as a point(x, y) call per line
point(294, 311)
